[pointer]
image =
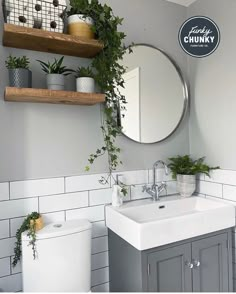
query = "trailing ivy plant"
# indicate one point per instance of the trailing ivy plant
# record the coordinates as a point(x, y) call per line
point(29, 224)
point(108, 75)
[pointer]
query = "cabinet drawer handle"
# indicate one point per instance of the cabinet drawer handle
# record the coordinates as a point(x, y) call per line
point(189, 264)
point(196, 263)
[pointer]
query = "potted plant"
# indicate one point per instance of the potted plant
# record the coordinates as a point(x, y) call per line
point(19, 74)
point(56, 73)
point(184, 169)
point(79, 23)
point(32, 223)
point(85, 80)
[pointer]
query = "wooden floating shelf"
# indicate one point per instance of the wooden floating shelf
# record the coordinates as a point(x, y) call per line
point(53, 97)
point(45, 41)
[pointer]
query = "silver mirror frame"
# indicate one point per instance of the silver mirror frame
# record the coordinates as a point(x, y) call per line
point(185, 88)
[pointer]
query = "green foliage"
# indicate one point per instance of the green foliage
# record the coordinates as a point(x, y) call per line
point(31, 234)
point(184, 165)
point(17, 62)
point(78, 7)
point(84, 72)
point(56, 67)
point(108, 73)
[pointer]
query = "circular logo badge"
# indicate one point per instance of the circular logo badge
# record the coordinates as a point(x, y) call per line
point(199, 36)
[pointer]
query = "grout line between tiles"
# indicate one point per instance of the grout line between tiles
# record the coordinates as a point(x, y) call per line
point(64, 185)
point(9, 187)
point(65, 215)
point(10, 275)
point(100, 284)
point(9, 224)
point(97, 269)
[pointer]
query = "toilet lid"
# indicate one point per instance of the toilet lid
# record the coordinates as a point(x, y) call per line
point(58, 229)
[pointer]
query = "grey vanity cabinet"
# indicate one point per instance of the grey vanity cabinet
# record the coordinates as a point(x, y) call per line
point(211, 255)
point(201, 264)
point(167, 271)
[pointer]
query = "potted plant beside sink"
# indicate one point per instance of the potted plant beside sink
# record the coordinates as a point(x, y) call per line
point(184, 169)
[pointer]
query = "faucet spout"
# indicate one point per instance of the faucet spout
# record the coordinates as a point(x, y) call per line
point(156, 189)
point(155, 165)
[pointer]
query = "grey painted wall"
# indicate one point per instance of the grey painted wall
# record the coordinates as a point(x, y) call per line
point(213, 119)
point(40, 140)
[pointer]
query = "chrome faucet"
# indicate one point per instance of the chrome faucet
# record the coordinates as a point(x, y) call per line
point(155, 189)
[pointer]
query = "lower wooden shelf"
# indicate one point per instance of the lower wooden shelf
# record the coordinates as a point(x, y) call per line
point(51, 96)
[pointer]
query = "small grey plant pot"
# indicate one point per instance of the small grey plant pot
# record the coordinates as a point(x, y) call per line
point(56, 82)
point(20, 78)
point(186, 185)
point(85, 85)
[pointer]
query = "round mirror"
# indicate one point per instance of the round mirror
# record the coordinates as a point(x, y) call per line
point(156, 95)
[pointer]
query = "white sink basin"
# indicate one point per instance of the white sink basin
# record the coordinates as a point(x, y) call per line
point(146, 224)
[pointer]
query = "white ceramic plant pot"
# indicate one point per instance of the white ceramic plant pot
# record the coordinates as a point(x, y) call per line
point(186, 185)
point(79, 25)
point(85, 85)
point(56, 82)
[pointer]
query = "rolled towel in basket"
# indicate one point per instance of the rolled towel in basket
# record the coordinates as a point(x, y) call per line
point(56, 25)
point(9, 5)
point(39, 12)
point(20, 18)
point(16, 5)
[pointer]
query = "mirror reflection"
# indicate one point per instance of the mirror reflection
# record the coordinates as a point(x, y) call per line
point(156, 93)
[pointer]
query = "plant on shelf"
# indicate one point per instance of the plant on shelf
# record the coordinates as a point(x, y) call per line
point(17, 62)
point(32, 223)
point(56, 73)
point(79, 22)
point(108, 76)
point(184, 169)
point(85, 80)
point(19, 74)
point(84, 72)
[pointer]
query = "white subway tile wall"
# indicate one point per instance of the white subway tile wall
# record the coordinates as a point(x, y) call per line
point(26, 189)
point(210, 188)
point(65, 198)
point(63, 202)
point(4, 229)
point(5, 267)
point(60, 199)
point(4, 191)
point(85, 183)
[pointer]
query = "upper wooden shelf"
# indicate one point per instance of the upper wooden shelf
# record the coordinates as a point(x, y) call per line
point(45, 41)
point(53, 97)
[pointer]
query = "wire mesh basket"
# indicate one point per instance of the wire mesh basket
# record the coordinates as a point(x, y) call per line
point(46, 15)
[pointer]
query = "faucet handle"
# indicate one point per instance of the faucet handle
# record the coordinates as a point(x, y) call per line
point(162, 187)
point(144, 188)
point(163, 184)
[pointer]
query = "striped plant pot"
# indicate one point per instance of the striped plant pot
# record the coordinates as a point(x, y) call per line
point(20, 78)
point(186, 185)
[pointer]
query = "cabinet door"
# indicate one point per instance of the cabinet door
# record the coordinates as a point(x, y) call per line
point(211, 270)
point(168, 270)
